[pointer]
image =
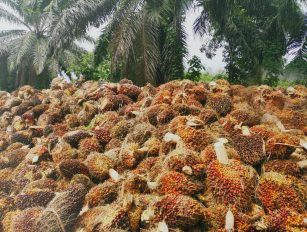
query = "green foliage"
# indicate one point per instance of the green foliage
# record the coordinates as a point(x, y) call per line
point(86, 66)
point(297, 70)
point(254, 34)
point(27, 51)
point(195, 68)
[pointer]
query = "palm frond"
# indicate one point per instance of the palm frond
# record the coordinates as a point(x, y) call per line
point(126, 23)
point(21, 50)
point(40, 53)
point(7, 35)
point(74, 21)
point(151, 56)
point(12, 18)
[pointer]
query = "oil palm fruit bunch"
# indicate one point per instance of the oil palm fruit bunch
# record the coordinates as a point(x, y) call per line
point(183, 156)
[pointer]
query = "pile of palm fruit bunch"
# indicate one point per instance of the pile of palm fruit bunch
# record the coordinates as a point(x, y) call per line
point(184, 156)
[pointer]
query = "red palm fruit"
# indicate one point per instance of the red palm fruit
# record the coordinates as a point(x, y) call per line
point(99, 166)
point(287, 220)
point(250, 148)
point(264, 131)
point(72, 120)
point(20, 221)
point(245, 116)
point(152, 146)
point(74, 137)
point(219, 102)
point(179, 211)
point(103, 136)
point(135, 185)
point(131, 156)
point(199, 93)
point(6, 205)
point(134, 215)
point(21, 137)
point(121, 129)
point(281, 146)
point(145, 165)
point(163, 96)
point(141, 133)
point(82, 179)
point(88, 145)
point(185, 109)
point(194, 139)
point(275, 191)
point(275, 100)
point(60, 129)
point(113, 144)
point(286, 167)
point(178, 183)
point(243, 221)
point(62, 151)
point(208, 116)
point(165, 115)
point(102, 194)
point(12, 158)
point(292, 119)
point(232, 184)
point(132, 91)
point(71, 167)
point(33, 198)
point(152, 113)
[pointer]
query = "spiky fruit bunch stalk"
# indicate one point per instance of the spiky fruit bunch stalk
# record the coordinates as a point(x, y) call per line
point(179, 211)
point(233, 183)
point(178, 183)
point(275, 191)
point(61, 213)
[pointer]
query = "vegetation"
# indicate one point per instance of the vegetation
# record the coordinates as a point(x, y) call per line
point(25, 50)
point(145, 40)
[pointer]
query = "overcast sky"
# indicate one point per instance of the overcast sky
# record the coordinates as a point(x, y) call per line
point(194, 42)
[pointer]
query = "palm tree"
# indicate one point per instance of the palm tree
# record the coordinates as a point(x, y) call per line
point(254, 33)
point(26, 45)
point(145, 38)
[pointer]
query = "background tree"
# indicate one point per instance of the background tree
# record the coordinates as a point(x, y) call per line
point(254, 33)
point(144, 38)
point(195, 69)
point(26, 50)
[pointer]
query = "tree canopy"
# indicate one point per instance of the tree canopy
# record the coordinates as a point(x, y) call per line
point(145, 40)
